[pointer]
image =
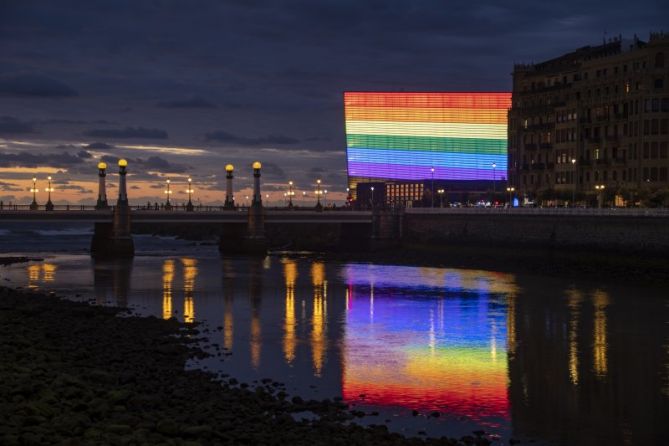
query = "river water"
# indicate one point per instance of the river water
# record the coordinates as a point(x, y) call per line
point(543, 360)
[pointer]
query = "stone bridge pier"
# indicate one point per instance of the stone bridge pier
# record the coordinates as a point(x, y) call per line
point(249, 240)
point(115, 239)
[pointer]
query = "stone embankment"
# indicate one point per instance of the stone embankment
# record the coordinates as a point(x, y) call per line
point(77, 374)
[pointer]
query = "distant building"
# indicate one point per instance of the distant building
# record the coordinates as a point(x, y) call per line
point(598, 116)
point(418, 149)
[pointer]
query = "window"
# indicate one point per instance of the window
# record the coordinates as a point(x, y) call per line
point(659, 83)
point(659, 60)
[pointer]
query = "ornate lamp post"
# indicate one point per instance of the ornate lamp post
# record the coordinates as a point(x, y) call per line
point(290, 194)
point(441, 197)
point(49, 189)
point(229, 199)
point(102, 189)
point(325, 198)
point(372, 189)
point(122, 192)
point(168, 192)
point(318, 195)
point(573, 189)
point(510, 192)
point(257, 196)
point(34, 206)
point(189, 206)
point(600, 194)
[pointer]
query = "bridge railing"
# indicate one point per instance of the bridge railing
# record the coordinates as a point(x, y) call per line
point(159, 207)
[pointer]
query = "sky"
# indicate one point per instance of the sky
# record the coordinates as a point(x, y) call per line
point(181, 88)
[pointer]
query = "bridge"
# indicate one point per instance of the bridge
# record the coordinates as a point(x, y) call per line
point(243, 227)
point(239, 216)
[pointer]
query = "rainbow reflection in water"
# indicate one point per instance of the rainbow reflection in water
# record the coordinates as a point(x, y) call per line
point(428, 339)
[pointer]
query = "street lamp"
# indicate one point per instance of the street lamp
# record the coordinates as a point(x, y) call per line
point(510, 192)
point(168, 192)
point(573, 189)
point(189, 206)
point(49, 189)
point(290, 194)
point(441, 197)
point(325, 198)
point(318, 194)
point(600, 194)
point(34, 206)
point(494, 182)
point(372, 189)
point(431, 188)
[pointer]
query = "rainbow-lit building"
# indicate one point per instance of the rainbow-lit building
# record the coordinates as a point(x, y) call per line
point(408, 144)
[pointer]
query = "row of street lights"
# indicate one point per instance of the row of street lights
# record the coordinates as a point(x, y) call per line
point(48, 189)
point(319, 192)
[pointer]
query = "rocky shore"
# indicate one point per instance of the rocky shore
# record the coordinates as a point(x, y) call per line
point(77, 374)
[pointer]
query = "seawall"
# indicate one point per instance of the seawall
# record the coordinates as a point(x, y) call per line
point(601, 233)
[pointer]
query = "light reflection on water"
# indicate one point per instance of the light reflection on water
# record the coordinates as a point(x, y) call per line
point(512, 355)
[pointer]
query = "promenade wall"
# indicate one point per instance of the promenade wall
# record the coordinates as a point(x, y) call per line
point(601, 232)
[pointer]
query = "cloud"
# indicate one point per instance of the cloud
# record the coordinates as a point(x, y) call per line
point(13, 126)
point(84, 154)
point(194, 102)
point(141, 166)
point(10, 187)
point(73, 187)
point(25, 159)
point(128, 132)
point(98, 146)
point(226, 137)
point(273, 170)
point(32, 85)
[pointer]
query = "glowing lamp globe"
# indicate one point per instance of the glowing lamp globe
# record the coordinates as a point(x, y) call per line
point(122, 163)
point(102, 166)
point(257, 165)
point(229, 167)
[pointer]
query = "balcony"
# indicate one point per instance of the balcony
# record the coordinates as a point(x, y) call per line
point(602, 162)
point(546, 145)
point(538, 166)
point(530, 146)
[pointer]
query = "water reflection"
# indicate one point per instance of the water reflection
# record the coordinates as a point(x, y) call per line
point(319, 315)
point(578, 364)
point(413, 342)
point(289, 326)
point(189, 275)
point(112, 281)
point(41, 273)
point(168, 277)
point(600, 300)
point(228, 298)
point(255, 295)
point(574, 303)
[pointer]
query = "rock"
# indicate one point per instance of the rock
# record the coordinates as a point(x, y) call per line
point(167, 427)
